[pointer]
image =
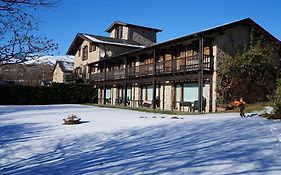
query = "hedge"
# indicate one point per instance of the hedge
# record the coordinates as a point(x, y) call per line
point(40, 95)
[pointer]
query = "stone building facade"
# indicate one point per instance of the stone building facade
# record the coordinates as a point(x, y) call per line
point(63, 72)
point(179, 74)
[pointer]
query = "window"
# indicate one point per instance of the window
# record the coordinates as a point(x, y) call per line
point(92, 47)
point(149, 92)
point(178, 93)
point(129, 93)
point(190, 92)
point(108, 93)
point(85, 53)
point(118, 32)
point(144, 93)
point(80, 71)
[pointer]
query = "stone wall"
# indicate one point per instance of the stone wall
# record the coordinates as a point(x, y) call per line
point(95, 55)
point(125, 31)
point(92, 56)
point(58, 75)
point(214, 81)
point(226, 44)
point(142, 36)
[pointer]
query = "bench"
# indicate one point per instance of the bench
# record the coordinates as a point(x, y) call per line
point(186, 104)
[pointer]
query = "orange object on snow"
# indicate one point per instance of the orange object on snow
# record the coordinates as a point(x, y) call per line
point(236, 103)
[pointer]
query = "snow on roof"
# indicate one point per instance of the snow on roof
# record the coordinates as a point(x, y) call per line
point(66, 66)
point(94, 39)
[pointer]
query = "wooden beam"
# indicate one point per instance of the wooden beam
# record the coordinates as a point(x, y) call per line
point(164, 78)
point(125, 81)
point(104, 85)
point(200, 75)
point(163, 97)
point(153, 80)
point(211, 58)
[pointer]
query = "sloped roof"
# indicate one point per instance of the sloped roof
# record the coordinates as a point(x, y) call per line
point(115, 41)
point(65, 66)
point(246, 21)
point(128, 24)
point(80, 37)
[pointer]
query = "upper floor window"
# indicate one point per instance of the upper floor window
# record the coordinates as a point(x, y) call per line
point(119, 32)
point(85, 53)
point(92, 47)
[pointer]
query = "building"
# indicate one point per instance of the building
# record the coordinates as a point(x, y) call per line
point(26, 74)
point(123, 38)
point(129, 68)
point(63, 72)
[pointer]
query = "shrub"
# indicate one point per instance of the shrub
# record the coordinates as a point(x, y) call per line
point(251, 74)
point(56, 94)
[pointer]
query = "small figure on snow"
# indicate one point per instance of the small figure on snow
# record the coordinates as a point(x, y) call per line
point(241, 106)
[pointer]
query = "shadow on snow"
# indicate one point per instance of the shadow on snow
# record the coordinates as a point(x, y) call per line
point(194, 147)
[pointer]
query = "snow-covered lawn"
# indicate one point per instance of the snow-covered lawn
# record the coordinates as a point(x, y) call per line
point(115, 141)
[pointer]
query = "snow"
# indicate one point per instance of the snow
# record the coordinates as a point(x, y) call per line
point(115, 43)
point(33, 140)
point(50, 59)
point(68, 66)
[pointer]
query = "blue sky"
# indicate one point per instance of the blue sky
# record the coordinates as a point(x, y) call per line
point(175, 17)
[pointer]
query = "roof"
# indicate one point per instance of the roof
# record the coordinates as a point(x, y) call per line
point(114, 41)
point(128, 24)
point(80, 37)
point(65, 66)
point(247, 21)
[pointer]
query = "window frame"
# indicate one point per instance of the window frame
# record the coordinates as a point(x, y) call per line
point(119, 32)
point(93, 47)
point(85, 54)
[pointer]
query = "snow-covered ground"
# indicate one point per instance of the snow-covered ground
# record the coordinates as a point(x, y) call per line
point(114, 141)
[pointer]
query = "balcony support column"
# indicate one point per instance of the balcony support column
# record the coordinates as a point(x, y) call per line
point(104, 84)
point(153, 80)
point(200, 74)
point(125, 81)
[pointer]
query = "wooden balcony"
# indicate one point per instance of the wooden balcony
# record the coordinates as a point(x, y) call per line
point(175, 66)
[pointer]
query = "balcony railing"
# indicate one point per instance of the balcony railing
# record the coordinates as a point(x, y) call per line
point(179, 65)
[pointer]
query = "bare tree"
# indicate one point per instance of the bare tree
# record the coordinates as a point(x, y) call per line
point(18, 28)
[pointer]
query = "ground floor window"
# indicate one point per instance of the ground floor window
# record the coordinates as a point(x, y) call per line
point(147, 92)
point(108, 95)
point(144, 93)
point(129, 93)
point(178, 92)
point(188, 92)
